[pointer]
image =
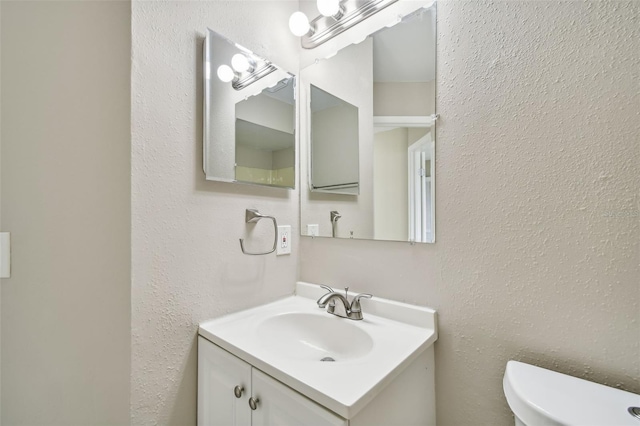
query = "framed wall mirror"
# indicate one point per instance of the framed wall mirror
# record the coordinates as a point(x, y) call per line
point(249, 116)
point(389, 78)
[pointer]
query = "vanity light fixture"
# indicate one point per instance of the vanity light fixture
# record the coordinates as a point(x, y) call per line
point(299, 24)
point(329, 7)
point(336, 17)
point(225, 73)
point(245, 70)
point(242, 63)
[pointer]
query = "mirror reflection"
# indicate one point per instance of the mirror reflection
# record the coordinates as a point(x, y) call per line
point(249, 116)
point(334, 130)
point(389, 78)
point(403, 173)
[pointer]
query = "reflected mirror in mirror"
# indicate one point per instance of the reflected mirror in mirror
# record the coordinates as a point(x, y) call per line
point(334, 144)
point(249, 116)
point(390, 78)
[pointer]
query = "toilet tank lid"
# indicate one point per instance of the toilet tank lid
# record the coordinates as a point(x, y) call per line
point(540, 396)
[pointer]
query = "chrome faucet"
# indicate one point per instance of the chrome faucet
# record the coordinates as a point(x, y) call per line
point(334, 222)
point(342, 309)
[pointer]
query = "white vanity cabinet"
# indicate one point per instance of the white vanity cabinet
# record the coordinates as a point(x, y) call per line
point(226, 384)
point(219, 373)
point(382, 369)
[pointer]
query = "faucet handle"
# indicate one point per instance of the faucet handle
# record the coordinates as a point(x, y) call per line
point(355, 305)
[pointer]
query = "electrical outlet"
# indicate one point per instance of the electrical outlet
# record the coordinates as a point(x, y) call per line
point(284, 240)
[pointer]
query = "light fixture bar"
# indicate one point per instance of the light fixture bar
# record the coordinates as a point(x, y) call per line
point(256, 75)
point(327, 27)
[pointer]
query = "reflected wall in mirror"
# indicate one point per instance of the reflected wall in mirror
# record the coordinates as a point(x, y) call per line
point(390, 78)
point(249, 116)
point(403, 173)
point(334, 144)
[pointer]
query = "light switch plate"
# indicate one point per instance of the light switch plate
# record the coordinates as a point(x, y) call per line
point(313, 230)
point(284, 240)
point(5, 255)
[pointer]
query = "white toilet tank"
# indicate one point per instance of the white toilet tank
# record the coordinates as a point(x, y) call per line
point(542, 397)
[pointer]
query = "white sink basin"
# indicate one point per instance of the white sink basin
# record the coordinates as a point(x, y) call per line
point(314, 337)
point(287, 339)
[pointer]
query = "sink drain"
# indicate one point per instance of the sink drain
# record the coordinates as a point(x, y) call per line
point(635, 412)
point(327, 359)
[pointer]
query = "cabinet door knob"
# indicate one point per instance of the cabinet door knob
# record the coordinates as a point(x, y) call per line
point(253, 403)
point(237, 391)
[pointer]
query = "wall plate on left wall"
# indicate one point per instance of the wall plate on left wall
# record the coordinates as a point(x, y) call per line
point(5, 255)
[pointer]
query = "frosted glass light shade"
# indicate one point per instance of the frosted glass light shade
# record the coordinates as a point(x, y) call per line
point(299, 24)
point(225, 73)
point(240, 62)
point(328, 7)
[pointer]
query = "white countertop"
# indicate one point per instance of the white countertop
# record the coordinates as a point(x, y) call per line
point(400, 332)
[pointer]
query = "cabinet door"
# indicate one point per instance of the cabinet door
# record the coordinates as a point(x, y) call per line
point(219, 373)
point(279, 405)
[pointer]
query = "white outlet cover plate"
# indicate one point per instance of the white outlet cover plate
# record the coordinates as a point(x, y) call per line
point(284, 240)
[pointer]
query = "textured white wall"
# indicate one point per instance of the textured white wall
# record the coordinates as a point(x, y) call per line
point(538, 177)
point(65, 199)
point(186, 261)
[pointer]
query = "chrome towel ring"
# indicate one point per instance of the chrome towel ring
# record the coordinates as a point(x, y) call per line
point(252, 216)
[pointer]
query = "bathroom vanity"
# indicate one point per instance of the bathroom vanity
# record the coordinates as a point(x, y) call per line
point(291, 363)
